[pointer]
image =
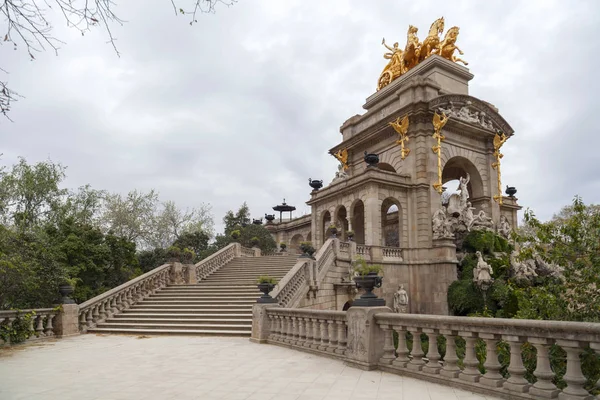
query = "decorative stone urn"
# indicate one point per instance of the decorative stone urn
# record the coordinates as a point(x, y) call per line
point(371, 159)
point(334, 231)
point(266, 288)
point(511, 191)
point(307, 250)
point(66, 291)
point(269, 218)
point(368, 283)
point(315, 184)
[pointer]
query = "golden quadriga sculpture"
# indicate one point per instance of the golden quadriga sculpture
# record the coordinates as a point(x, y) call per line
point(415, 52)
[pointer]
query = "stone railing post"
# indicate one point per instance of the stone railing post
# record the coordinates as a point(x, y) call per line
point(237, 250)
point(66, 322)
point(257, 251)
point(365, 343)
point(352, 250)
point(190, 274)
point(261, 325)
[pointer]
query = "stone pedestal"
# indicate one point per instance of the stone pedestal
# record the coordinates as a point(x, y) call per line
point(366, 339)
point(66, 323)
point(190, 274)
point(261, 327)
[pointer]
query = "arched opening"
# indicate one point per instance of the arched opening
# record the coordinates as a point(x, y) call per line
point(358, 221)
point(325, 225)
point(341, 222)
point(295, 243)
point(455, 169)
point(347, 305)
point(309, 237)
point(391, 217)
point(386, 167)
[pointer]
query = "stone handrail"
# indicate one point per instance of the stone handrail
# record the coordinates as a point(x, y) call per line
point(364, 252)
point(392, 253)
point(246, 252)
point(325, 258)
point(215, 261)
point(292, 286)
point(572, 337)
point(41, 322)
point(321, 331)
point(122, 297)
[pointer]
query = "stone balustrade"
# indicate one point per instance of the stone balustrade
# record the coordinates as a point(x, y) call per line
point(41, 322)
point(292, 285)
point(246, 252)
point(364, 337)
point(217, 260)
point(319, 331)
point(122, 297)
point(363, 252)
point(345, 247)
point(392, 253)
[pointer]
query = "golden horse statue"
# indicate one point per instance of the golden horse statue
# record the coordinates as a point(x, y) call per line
point(448, 46)
point(410, 57)
point(431, 43)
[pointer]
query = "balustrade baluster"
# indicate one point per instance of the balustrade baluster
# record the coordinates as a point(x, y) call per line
point(49, 328)
point(102, 311)
point(82, 322)
point(301, 332)
point(271, 326)
point(574, 378)
point(284, 328)
point(316, 334)
point(295, 330)
point(31, 323)
point(308, 332)
point(89, 317)
point(324, 336)
point(492, 376)
point(39, 330)
point(275, 328)
point(333, 339)
point(470, 373)
point(450, 368)
point(9, 322)
point(543, 372)
point(2, 321)
point(417, 354)
point(402, 360)
point(113, 305)
point(95, 314)
point(516, 382)
point(433, 355)
point(289, 337)
point(388, 356)
point(341, 349)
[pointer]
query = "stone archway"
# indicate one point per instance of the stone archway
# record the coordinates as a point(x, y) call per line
point(386, 167)
point(325, 222)
point(295, 243)
point(358, 221)
point(341, 222)
point(458, 167)
point(391, 223)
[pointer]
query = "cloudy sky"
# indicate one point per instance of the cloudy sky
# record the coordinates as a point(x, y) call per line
point(244, 105)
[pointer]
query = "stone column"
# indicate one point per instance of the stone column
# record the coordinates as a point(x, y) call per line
point(372, 219)
point(66, 322)
point(366, 339)
point(260, 322)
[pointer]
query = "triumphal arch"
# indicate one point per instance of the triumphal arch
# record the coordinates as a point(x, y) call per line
point(421, 129)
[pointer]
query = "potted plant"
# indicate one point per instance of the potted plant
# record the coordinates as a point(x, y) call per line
point(307, 249)
point(235, 235)
point(173, 254)
point(282, 246)
point(266, 285)
point(350, 235)
point(333, 230)
point(187, 256)
point(368, 278)
point(254, 241)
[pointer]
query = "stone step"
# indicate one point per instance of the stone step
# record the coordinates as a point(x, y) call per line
point(224, 282)
point(207, 290)
point(244, 274)
point(175, 326)
point(199, 302)
point(188, 310)
point(203, 296)
point(183, 316)
point(203, 332)
point(169, 320)
point(203, 284)
point(211, 307)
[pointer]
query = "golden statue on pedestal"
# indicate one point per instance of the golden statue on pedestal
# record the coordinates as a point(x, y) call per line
point(401, 127)
point(401, 61)
point(342, 156)
point(499, 140)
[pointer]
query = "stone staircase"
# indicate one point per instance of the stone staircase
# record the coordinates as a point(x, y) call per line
point(219, 305)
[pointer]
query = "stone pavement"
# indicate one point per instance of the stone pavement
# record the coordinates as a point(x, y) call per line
point(174, 367)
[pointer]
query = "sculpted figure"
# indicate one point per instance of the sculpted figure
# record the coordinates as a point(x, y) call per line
point(483, 271)
point(448, 46)
point(432, 41)
point(410, 57)
point(468, 217)
point(482, 220)
point(522, 269)
point(395, 57)
point(400, 300)
point(504, 228)
point(464, 191)
point(438, 221)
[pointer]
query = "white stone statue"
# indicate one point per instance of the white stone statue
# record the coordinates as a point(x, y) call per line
point(504, 228)
point(467, 216)
point(400, 300)
point(464, 192)
point(482, 221)
point(441, 229)
point(482, 274)
point(522, 269)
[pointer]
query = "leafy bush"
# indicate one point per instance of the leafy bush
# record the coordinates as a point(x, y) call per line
point(19, 330)
point(254, 241)
point(235, 234)
point(174, 253)
point(483, 241)
point(266, 279)
point(188, 255)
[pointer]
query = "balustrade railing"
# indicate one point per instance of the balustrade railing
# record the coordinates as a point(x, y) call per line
point(246, 252)
point(363, 252)
point(489, 333)
point(392, 253)
point(40, 323)
point(324, 257)
point(122, 297)
point(215, 261)
point(292, 286)
point(345, 247)
point(320, 331)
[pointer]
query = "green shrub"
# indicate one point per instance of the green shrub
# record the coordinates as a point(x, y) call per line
point(19, 330)
point(188, 255)
point(174, 252)
point(266, 279)
point(482, 241)
point(464, 298)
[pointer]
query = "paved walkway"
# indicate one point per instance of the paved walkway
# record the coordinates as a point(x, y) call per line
point(91, 367)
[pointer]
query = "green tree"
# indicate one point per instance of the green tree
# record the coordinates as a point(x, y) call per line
point(236, 220)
